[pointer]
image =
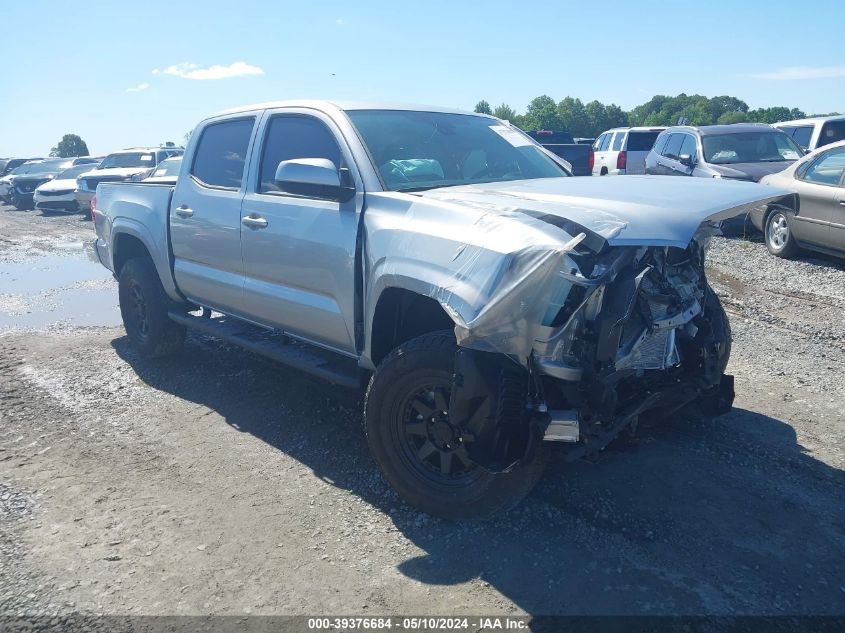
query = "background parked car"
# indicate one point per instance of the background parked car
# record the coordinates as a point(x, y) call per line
point(166, 172)
point(816, 132)
point(120, 166)
point(742, 151)
point(58, 193)
point(7, 182)
point(8, 164)
point(623, 150)
point(562, 144)
point(24, 185)
point(817, 222)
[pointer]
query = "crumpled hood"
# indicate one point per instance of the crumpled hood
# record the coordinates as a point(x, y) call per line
point(625, 210)
point(750, 171)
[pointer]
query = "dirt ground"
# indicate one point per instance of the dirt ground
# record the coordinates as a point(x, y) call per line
point(216, 482)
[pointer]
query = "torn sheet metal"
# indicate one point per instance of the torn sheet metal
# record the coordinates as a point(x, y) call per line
point(490, 268)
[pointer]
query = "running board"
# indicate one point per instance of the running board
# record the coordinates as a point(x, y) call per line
point(324, 364)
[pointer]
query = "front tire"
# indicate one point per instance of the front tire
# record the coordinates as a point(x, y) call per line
point(144, 306)
point(780, 239)
point(420, 451)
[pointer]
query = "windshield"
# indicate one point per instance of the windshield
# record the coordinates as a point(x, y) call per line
point(52, 167)
point(749, 147)
point(169, 167)
point(134, 159)
point(44, 167)
point(73, 172)
point(423, 150)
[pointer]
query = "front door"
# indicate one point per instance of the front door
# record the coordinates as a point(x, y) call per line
point(299, 256)
point(819, 192)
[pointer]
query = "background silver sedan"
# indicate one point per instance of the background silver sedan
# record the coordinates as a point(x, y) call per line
point(818, 222)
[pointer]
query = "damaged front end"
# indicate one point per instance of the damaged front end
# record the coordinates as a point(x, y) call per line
point(627, 331)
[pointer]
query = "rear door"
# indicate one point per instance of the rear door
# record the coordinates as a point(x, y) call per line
point(205, 215)
point(299, 267)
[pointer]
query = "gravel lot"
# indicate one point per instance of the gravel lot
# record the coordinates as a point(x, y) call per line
point(216, 482)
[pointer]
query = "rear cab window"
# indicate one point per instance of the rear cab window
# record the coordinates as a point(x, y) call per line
point(220, 157)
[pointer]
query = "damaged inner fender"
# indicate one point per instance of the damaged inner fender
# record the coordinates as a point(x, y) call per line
point(627, 330)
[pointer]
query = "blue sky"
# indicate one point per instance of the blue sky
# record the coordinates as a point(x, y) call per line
point(121, 74)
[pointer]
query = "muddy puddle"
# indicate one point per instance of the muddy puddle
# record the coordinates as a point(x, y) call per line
point(67, 286)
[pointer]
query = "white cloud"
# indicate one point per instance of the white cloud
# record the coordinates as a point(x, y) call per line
point(187, 70)
point(138, 88)
point(339, 21)
point(803, 72)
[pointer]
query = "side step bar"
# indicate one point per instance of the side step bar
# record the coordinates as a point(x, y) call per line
point(276, 346)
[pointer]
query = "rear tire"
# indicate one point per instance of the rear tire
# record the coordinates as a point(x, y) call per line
point(144, 306)
point(430, 473)
point(778, 235)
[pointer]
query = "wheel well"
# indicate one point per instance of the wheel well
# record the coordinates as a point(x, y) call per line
point(603, 171)
point(127, 247)
point(786, 204)
point(402, 315)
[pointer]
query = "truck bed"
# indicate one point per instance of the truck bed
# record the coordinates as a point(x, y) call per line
point(142, 211)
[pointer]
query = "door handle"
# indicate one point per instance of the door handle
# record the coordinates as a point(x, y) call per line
point(184, 211)
point(254, 222)
point(842, 202)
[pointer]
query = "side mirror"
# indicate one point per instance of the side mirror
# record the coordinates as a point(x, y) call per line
point(686, 160)
point(314, 178)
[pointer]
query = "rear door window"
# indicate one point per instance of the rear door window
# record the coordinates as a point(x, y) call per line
point(605, 142)
point(221, 153)
point(599, 141)
point(673, 146)
point(618, 140)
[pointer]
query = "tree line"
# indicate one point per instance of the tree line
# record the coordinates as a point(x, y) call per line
point(593, 118)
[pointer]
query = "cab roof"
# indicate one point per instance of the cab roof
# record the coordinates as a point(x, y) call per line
point(342, 106)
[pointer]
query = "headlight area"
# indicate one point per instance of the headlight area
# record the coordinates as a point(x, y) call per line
point(629, 331)
point(640, 332)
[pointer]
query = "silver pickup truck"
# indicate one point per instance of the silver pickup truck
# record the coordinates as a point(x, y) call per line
point(489, 303)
